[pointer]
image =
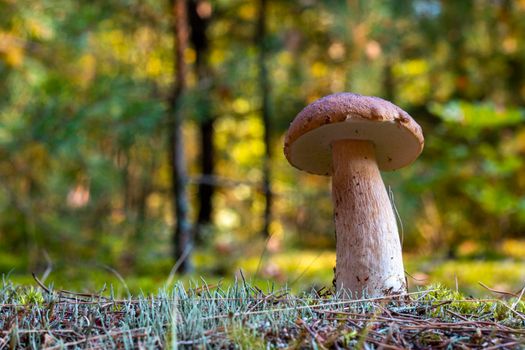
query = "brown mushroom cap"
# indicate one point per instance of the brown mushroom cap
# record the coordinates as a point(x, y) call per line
point(398, 139)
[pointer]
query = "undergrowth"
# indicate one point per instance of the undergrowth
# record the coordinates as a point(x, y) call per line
point(242, 316)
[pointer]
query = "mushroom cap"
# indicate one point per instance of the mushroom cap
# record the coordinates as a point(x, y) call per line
point(398, 139)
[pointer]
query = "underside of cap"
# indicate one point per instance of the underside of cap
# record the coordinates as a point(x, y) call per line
point(398, 139)
point(395, 146)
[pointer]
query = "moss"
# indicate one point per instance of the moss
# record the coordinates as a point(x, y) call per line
point(240, 316)
point(245, 338)
point(30, 296)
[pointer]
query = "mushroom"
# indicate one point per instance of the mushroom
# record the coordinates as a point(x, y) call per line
point(351, 137)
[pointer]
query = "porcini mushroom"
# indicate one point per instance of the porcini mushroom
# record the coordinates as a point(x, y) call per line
point(351, 137)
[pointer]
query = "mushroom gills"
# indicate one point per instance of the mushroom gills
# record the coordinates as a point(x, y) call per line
point(396, 146)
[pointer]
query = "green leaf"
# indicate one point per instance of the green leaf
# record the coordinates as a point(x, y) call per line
point(478, 115)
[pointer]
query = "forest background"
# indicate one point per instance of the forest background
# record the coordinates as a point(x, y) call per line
point(94, 96)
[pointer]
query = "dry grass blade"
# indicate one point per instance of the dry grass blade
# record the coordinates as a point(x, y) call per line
point(502, 292)
point(243, 314)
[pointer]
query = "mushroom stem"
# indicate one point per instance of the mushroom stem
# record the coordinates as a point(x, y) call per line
point(369, 260)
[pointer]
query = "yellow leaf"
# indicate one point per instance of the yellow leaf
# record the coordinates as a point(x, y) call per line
point(153, 66)
point(247, 12)
point(87, 70)
point(189, 55)
point(39, 30)
point(14, 56)
point(318, 70)
point(241, 106)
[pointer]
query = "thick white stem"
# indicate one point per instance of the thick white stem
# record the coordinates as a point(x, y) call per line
point(369, 260)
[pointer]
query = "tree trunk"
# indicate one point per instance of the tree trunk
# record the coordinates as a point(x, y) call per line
point(264, 85)
point(456, 16)
point(142, 207)
point(182, 236)
point(199, 16)
point(388, 80)
point(206, 190)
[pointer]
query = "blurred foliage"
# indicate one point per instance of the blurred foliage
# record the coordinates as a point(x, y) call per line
point(84, 171)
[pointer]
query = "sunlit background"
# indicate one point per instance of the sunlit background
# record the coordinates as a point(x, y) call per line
point(85, 177)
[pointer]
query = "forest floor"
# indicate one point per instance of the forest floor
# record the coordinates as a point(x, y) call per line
point(473, 272)
point(243, 316)
point(474, 301)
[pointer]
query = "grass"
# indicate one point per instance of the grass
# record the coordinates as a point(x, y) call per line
point(299, 270)
point(231, 313)
point(242, 316)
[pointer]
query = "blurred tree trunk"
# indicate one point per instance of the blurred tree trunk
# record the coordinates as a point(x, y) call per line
point(144, 191)
point(264, 85)
point(206, 189)
point(200, 15)
point(388, 80)
point(456, 15)
point(182, 236)
point(516, 70)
